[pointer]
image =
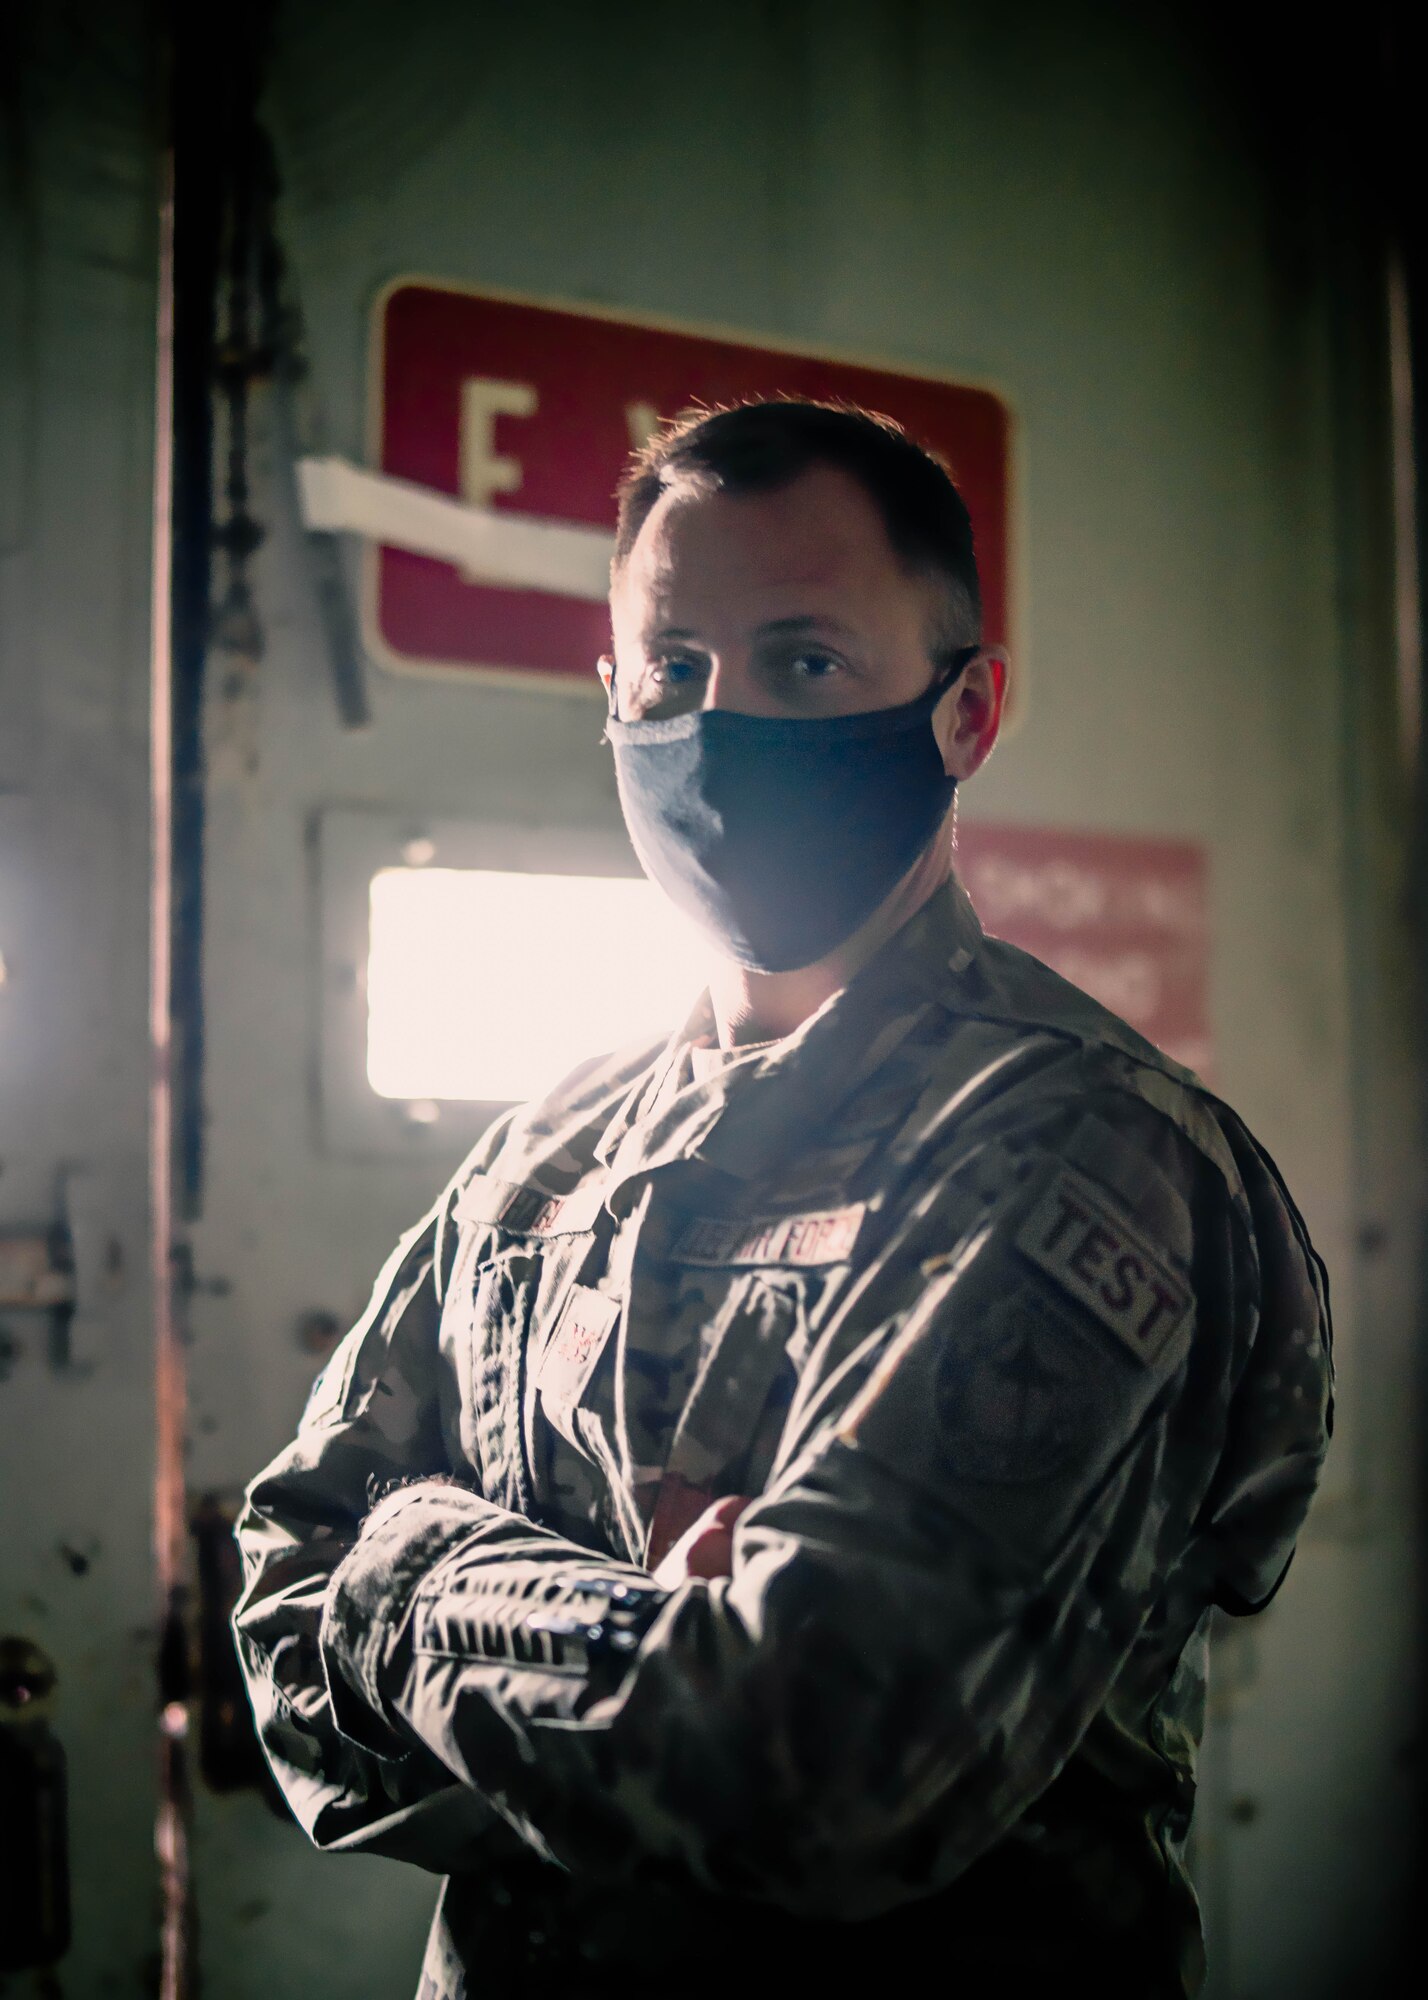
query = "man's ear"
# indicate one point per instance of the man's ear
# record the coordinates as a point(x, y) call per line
point(605, 668)
point(968, 717)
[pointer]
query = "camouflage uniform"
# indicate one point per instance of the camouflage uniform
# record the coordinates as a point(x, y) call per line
point(1017, 1337)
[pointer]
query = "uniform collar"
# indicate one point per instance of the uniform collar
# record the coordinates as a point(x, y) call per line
point(756, 1112)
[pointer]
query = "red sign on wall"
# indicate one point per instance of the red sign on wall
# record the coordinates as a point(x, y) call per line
point(534, 410)
point(1124, 919)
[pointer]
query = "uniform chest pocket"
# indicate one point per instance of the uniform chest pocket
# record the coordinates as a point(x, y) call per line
point(519, 1253)
point(743, 1382)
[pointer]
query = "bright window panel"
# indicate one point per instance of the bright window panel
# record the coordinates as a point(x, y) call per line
point(492, 986)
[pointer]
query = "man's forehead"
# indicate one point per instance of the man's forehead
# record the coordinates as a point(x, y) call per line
point(820, 532)
point(805, 547)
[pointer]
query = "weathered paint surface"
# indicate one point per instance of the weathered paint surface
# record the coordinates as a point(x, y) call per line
point(77, 235)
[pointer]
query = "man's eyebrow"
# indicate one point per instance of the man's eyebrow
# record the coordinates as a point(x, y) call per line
point(799, 622)
point(806, 622)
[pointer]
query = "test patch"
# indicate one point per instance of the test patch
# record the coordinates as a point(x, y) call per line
point(1078, 1238)
point(824, 1238)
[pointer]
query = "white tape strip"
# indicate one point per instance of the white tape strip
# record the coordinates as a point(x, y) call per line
point(514, 551)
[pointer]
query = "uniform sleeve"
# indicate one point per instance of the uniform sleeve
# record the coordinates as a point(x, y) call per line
point(372, 1415)
point(985, 1495)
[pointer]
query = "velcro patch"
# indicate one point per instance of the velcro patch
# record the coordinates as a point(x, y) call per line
point(528, 1211)
point(1078, 1238)
point(824, 1238)
point(570, 1354)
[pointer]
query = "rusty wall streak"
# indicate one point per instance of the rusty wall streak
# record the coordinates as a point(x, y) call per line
point(170, 1377)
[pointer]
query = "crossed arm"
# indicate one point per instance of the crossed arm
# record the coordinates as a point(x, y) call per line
point(898, 1660)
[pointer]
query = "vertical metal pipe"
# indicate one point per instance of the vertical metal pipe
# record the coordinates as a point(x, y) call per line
point(170, 1385)
point(168, 1359)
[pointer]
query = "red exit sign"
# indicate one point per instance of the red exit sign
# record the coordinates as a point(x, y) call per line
point(534, 409)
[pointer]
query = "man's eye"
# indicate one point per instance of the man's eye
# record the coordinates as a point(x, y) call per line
point(814, 666)
point(674, 670)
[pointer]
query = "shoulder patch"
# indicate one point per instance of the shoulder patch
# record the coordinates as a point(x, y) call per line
point(1021, 1399)
point(1000, 1388)
point(1098, 1257)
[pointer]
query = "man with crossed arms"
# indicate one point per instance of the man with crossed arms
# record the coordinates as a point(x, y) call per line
point(768, 1519)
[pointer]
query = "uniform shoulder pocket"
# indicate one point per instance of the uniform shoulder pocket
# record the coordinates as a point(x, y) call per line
point(327, 1399)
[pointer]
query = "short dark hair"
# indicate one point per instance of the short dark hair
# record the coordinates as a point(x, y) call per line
point(758, 447)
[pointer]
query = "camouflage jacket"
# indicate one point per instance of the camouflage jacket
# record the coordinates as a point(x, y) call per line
point(1015, 1335)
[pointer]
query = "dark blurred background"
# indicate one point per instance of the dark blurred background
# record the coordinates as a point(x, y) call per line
point(1177, 253)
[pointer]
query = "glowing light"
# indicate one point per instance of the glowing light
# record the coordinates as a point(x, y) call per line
point(492, 986)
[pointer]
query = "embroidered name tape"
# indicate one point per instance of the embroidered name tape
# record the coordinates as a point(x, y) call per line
point(825, 1238)
point(570, 1354)
point(1106, 1265)
point(528, 1211)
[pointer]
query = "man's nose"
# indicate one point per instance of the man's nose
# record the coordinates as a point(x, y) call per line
point(714, 693)
point(731, 684)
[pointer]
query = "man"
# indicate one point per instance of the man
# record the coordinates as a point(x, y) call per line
point(767, 1521)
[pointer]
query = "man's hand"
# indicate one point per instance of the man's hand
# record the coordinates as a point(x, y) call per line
point(706, 1548)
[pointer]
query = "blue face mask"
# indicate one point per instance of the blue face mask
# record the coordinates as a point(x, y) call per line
point(781, 837)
